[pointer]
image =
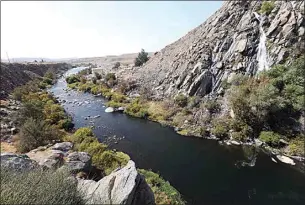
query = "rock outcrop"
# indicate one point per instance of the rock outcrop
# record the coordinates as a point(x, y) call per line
point(235, 39)
point(60, 154)
point(17, 162)
point(123, 186)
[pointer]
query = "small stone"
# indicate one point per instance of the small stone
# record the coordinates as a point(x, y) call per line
point(109, 109)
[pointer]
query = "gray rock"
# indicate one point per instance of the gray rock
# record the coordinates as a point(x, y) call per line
point(241, 45)
point(78, 161)
point(121, 109)
point(123, 186)
point(282, 56)
point(17, 162)
point(109, 109)
point(63, 146)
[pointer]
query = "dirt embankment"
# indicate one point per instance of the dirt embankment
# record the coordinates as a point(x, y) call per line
point(17, 74)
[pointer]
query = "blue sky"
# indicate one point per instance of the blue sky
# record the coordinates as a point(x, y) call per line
point(88, 29)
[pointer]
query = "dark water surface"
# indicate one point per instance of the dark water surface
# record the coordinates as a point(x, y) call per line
point(203, 171)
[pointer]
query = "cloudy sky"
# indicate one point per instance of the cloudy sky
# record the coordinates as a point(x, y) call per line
point(87, 29)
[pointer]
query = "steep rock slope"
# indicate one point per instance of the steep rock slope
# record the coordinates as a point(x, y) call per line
point(236, 39)
point(16, 74)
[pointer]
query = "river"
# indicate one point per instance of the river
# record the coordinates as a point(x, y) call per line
point(203, 171)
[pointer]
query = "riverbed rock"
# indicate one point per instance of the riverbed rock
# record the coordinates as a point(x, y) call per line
point(109, 109)
point(285, 159)
point(121, 109)
point(235, 142)
point(123, 186)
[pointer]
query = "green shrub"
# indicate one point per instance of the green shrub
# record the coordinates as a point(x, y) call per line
point(136, 109)
point(42, 85)
point(220, 128)
point(107, 160)
point(72, 79)
point(212, 106)
point(17, 94)
point(163, 191)
point(35, 133)
point(181, 100)
point(267, 7)
point(73, 85)
point(220, 131)
point(296, 146)
point(38, 187)
point(93, 147)
point(270, 138)
point(67, 125)
point(54, 113)
point(117, 97)
point(49, 75)
point(32, 109)
point(110, 160)
point(203, 131)
point(114, 104)
point(48, 81)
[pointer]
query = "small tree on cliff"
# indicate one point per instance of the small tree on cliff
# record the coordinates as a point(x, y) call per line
point(141, 59)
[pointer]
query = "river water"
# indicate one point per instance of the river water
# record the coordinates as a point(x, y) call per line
point(203, 171)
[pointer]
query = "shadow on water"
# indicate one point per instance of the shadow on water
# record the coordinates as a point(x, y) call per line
point(203, 171)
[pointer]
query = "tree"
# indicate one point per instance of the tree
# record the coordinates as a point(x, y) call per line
point(141, 59)
point(116, 65)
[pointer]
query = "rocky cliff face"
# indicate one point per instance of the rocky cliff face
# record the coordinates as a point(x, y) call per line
point(16, 74)
point(236, 39)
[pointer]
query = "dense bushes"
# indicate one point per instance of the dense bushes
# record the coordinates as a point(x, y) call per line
point(38, 187)
point(137, 109)
point(220, 127)
point(72, 79)
point(106, 160)
point(163, 191)
point(181, 100)
point(270, 138)
point(296, 146)
point(273, 102)
point(212, 106)
point(40, 117)
point(266, 7)
point(35, 133)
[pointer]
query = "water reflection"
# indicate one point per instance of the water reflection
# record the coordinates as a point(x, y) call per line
point(250, 155)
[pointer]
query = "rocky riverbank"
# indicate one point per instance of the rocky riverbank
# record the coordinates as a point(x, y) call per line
point(43, 121)
point(123, 186)
point(152, 110)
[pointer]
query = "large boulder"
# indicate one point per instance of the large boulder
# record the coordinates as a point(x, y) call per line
point(17, 162)
point(78, 161)
point(123, 186)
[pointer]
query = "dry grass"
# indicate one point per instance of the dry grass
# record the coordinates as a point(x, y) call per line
point(8, 147)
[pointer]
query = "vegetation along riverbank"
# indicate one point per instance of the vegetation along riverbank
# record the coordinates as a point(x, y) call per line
point(41, 122)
